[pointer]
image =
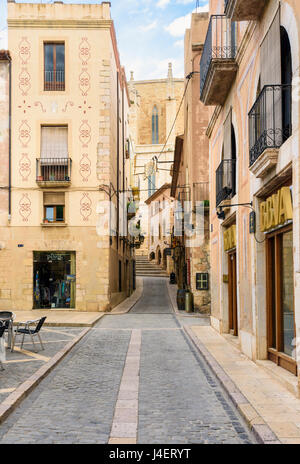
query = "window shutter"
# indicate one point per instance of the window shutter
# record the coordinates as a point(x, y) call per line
point(270, 54)
point(54, 143)
point(270, 62)
point(54, 198)
point(227, 137)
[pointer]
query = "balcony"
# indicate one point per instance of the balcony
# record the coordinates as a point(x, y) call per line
point(241, 10)
point(218, 66)
point(225, 180)
point(270, 125)
point(53, 172)
point(54, 81)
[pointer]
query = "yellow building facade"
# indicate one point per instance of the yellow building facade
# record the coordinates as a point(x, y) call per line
point(249, 79)
point(68, 160)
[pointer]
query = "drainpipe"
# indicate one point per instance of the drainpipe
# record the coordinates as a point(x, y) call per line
point(9, 140)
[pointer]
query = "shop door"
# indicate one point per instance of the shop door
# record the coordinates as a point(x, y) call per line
point(280, 299)
point(232, 294)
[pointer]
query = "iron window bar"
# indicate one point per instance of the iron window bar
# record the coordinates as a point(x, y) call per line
point(225, 180)
point(54, 80)
point(270, 123)
point(53, 169)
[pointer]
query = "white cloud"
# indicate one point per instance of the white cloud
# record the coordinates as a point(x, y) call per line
point(3, 39)
point(149, 27)
point(177, 27)
point(179, 43)
point(162, 3)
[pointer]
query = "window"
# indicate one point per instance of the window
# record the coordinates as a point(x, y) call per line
point(54, 207)
point(54, 66)
point(155, 135)
point(151, 185)
point(280, 299)
point(54, 163)
point(286, 80)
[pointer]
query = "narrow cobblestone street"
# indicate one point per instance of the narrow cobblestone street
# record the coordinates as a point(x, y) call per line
point(134, 377)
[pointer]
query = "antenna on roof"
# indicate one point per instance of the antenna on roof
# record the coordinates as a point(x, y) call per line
point(197, 5)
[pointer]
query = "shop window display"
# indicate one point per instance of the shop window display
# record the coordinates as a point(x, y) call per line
point(54, 280)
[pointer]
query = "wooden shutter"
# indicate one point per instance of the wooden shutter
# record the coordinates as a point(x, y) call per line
point(54, 198)
point(54, 142)
point(227, 153)
point(270, 55)
point(271, 104)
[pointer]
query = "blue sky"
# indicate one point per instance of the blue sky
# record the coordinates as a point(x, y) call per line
point(150, 32)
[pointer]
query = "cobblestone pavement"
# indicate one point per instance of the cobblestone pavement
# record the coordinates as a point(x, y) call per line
point(21, 364)
point(176, 398)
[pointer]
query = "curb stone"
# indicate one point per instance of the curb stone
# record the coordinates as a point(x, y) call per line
point(23, 390)
point(130, 302)
point(262, 432)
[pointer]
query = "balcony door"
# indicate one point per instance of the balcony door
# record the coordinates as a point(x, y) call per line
point(54, 66)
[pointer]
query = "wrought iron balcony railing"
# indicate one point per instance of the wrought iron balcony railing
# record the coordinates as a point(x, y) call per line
point(220, 44)
point(226, 180)
point(54, 80)
point(53, 170)
point(270, 121)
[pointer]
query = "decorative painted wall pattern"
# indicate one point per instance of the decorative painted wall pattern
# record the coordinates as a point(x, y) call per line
point(85, 133)
point(24, 167)
point(25, 207)
point(84, 76)
point(84, 82)
point(24, 133)
point(84, 51)
point(85, 167)
point(24, 76)
point(85, 206)
point(24, 81)
point(24, 51)
point(69, 103)
point(24, 107)
point(85, 128)
point(24, 128)
point(38, 103)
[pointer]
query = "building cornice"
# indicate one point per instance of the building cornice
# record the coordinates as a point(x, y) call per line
point(59, 23)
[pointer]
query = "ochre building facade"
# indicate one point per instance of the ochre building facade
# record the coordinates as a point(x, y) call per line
point(68, 159)
point(251, 87)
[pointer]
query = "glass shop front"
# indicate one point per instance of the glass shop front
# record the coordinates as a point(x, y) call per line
point(54, 279)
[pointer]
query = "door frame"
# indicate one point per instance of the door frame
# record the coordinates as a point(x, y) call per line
point(276, 354)
point(232, 292)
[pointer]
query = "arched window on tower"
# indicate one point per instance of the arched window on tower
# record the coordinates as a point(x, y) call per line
point(155, 135)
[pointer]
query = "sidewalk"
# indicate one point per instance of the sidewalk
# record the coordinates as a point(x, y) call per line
point(69, 318)
point(270, 409)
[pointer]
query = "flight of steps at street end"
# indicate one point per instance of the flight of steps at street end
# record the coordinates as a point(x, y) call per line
point(147, 268)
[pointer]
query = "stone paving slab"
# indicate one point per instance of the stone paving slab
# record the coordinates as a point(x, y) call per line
point(24, 369)
point(271, 410)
